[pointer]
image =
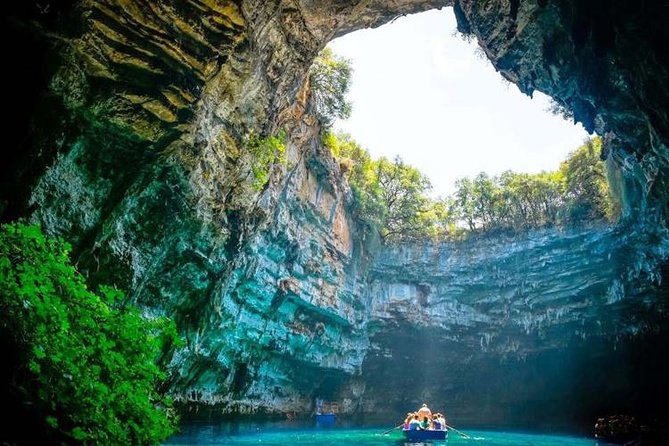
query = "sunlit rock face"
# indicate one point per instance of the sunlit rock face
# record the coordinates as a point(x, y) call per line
point(131, 144)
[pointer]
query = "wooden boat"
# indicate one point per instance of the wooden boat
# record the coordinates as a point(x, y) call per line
point(424, 435)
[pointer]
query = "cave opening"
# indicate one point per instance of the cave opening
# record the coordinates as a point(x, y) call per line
point(424, 91)
point(563, 371)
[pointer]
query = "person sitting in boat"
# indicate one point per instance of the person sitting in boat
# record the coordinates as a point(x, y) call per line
point(407, 421)
point(414, 424)
point(424, 411)
point(442, 421)
point(425, 424)
point(436, 422)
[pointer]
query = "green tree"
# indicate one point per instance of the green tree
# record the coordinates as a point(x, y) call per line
point(486, 199)
point(389, 196)
point(403, 190)
point(330, 80)
point(521, 201)
point(531, 200)
point(549, 196)
point(438, 220)
point(586, 185)
point(83, 364)
point(464, 202)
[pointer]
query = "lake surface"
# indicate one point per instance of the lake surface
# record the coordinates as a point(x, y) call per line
point(234, 434)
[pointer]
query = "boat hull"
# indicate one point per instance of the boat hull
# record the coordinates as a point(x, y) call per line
point(625, 440)
point(326, 419)
point(419, 435)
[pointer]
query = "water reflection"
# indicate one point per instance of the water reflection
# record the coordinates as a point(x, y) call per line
point(431, 443)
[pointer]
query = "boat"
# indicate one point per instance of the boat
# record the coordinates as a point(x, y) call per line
point(326, 413)
point(618, 430)
point(324, 419)
point(424, 435)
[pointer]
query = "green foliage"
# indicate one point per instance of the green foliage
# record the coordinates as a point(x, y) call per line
point(560, 109)
point(360, 171)
point(85, 364)
point(265, 153)
point(403, 195)
point(532, 201)
point(586, 183)
point(390, 197)
point(576, 193)
point(330, 80)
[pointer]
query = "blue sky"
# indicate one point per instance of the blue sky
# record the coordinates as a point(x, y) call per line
point(421, 92)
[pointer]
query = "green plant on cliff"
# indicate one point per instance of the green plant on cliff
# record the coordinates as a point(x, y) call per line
point(389, 197)
point(81, 363)
point(330, 80)
point(359, 169)
point(265, 153)
point(586, 185)
point(560, 109)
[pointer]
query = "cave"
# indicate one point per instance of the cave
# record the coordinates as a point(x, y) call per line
point(127, 138)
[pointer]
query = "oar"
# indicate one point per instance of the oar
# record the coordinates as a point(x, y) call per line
point(454, 429)
point(390, 430)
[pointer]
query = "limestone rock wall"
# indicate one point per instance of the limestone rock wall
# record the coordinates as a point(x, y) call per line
point(146, 171)
point(496, 291)
point(487, 328)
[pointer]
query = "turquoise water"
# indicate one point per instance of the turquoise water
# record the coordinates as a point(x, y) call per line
point(259, 435)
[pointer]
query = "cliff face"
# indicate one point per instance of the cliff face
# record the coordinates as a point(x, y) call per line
point(495, 327)
point(135, 152)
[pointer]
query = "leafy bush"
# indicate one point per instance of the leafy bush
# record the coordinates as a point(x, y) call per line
point(330, 80)
point(265, 153)
point(83, 364)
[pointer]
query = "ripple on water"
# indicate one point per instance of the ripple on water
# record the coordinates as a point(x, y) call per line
point(227, 435)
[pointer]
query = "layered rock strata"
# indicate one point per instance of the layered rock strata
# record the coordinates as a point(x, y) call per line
point(492, 327)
